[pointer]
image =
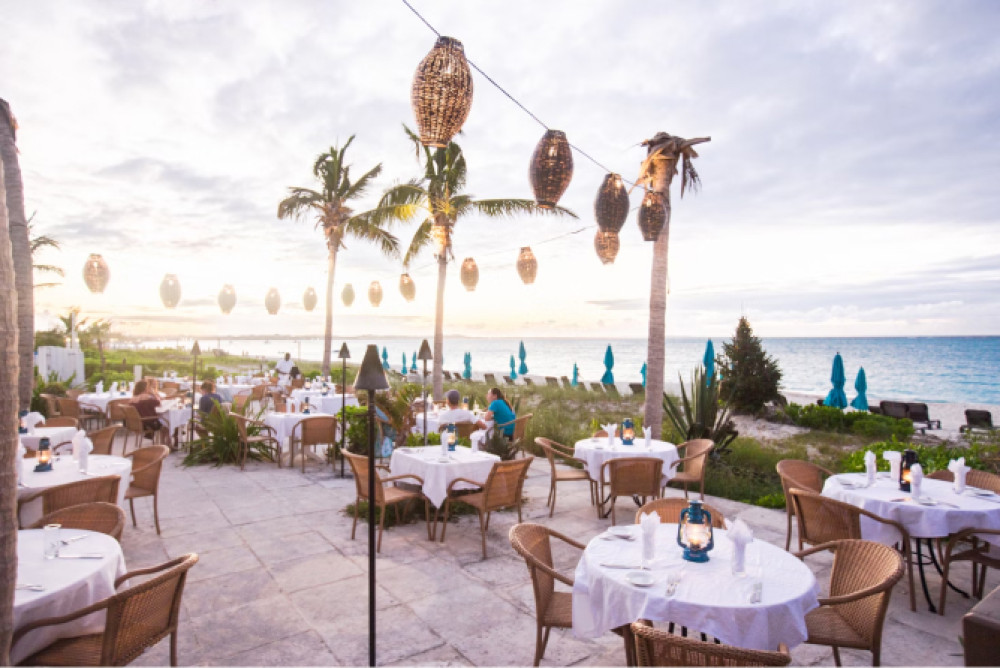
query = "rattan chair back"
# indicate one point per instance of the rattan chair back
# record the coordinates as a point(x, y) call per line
point(100, 516)
point(240, 402)
point(860, 565)
point(504, 484)
point(69, 407)
point(103, 440)
point(133, 423)
point(696, 455)
point(57, 497)
point(257, 392)
point(822, 519)
point(658, 647)
point(801, 474)
point(462, 429)
point(312, 431)
point(633, 476)
point(983, 480)
point(146, 466)
point(51, 404)
point(298, 383)
point(670, 509)
point(359, 468)
point(532, 542)
point(115, 412)
point(62, 421)
point(169, 385)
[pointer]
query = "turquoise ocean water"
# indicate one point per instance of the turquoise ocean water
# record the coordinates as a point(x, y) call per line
point(931, 369)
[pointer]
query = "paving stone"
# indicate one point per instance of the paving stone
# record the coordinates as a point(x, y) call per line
point(223, 562)
point(271, 551)
point(202, 542)
point(306, 572)
point(227, 632)
point(303, 649)
point(202, 597)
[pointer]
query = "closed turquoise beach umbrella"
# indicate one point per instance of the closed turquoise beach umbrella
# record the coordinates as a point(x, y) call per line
point(513, 373)
point(861, 385)
point(385, 358)
point(467, 374)
point(837, 397)
point(643, 372)
point(523, 369)
point(609, 363)
point(576, 375)
point(709, 360)
point(413, 363)
point(404, 364)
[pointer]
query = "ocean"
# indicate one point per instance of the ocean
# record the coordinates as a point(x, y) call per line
point(930, 369)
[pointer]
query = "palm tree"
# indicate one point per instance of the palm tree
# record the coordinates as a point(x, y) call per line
point(36, 244)
point(438, 197)
point(335, 219)
point(21, 252)
point(658, 170)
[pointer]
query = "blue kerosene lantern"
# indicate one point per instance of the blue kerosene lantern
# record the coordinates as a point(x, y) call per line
point(628, 431)
point(694, 532)
point(44, 456)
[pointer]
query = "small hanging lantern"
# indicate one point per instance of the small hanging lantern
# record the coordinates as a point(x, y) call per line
point(227, 298)
point(22, 426)
point(309, 299)
point(95, 273)
point(441, 95)
point(694, 532)
point(170, 291)
point(527, 265)
point(43, 458)
point(470, 274)
point(908, 461)
point(551, 168)
point(348, 295)
point(611, 205)
point(375, 293)
point(407, 287)
point(272, 302)
point(628, 431)
point(607, 243)
point(441, 235)
point(652, 215)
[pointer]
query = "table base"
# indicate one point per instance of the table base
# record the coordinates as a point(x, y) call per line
point(921, 561)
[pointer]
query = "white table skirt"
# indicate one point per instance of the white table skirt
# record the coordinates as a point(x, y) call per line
point(284, 423)
point(227, 392)
point(922, 521)
point(433, 423)
point(101, 400)
point(709, 597)
point(56, 435)
point(595, 451)
point(437, 475)
point(65, 470)
point(70, 584)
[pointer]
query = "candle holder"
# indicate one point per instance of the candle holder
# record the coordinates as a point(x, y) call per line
point(694, 532)
point(452, 437)
point(907, 462)
point(628, 431)
point(44, 456)
point(22, 425)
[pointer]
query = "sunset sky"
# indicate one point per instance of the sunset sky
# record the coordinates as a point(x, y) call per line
point(850, 187)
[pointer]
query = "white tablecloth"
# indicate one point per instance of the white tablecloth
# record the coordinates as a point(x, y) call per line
point(433, 423)
point(101, 400)
point(596, 451)
point(436, 474)
point(709, 597)
point(65, 470)
point(56, 435)
point(227, 392)
point(70, 584)
point(922, 521)
point(284, 423)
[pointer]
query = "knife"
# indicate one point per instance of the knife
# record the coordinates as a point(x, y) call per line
point(91, 555)
point(624, 566)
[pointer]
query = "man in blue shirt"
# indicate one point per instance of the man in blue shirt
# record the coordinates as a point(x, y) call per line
point(500, 411)
point(208, 396)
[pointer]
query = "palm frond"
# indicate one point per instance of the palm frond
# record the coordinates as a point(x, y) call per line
point(299, 202)
point(400, 203)
point(361, 185)
point(361, 228)
point(48, 269)
point(512, 207)
point(689, 175)
point(421, 239)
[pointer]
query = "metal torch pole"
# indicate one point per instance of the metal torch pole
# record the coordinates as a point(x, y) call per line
point(425, 402)
point(194, 384)
point(371, 527)
point(343, 414)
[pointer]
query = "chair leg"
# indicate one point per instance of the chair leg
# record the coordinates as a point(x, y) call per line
point(539, 646)
point(945, 567)
point(156, 514)
point(552, 505)
point(381, 526)
point(173, 648)
point(788, 531)
point(612, 511)
point(482, 531)
point(836, 655)
point(354, 526)
point(131, 507)
point(444, 522)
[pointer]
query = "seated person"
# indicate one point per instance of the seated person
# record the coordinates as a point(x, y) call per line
point(500, 411)
point(145, 405)
point(455, 413)
point(208, 398)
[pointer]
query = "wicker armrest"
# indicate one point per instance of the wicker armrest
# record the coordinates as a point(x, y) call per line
point(454, 482)
point(396, 478)
point(831, 545)
point(856, 596)
point(149, 571)
point(89, 408)
point(567, 539)
point(554, 573)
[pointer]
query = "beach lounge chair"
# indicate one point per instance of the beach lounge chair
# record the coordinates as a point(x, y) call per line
point(490, 379)
point(894, 409)
point(568, 385)
point(597, 387)
point(528, 381)
point(977, 420)
point(551, 382)
point(611, 389)
point(509, 380)
point(446, 374)
point(457, 376)
point(921, 419)
point(637, 388)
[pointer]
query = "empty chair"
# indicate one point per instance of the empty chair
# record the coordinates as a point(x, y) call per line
point(502, 489)
point(240, 402)
point(553, 609)
point(90, 416)
point(278, 403)
point(385, 496)
point(670, 509)
point(51, 404)
point(804, 475)
point(310, 432)
point(297, 383)
point(462, 429)
point(508, 380)
point(61, 421)
point(983, 480)
point(967, 545)
point(637, 388)
point(57, 497)
point(658, 647)
point(551, 450)
point(99, 516)
point(136, 618)
point(597, 387)
point(490, 379)
point(695, 461)
point(861, 582)
point(115, 412)
point(146, 466)
point(918, 413)
point(103, 439)
point(566, 382)
point(611, 389)
point(551, 382)
point(264, 440)
point(894, 409)
point(977, 420)
point(630, 476)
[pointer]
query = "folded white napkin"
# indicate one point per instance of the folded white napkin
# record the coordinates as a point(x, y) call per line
point(740, 535)
point(81, 453)
point(610, 428)
point(893, 457)
point(871, 468)
point(477, 437)
point(959, 469)
point(647, 436)
point(31, 420)
point(648, 524)
point(916, 480)
point(113, 388)
point(99, 387)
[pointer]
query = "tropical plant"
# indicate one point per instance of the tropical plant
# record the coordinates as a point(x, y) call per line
point(328, 205)
point(703, 415)
point(396, 405)
point(499, 445)
point(221, 445)
point(750, 377)
point(438, 199)
point(665, 152)
point(37, 244)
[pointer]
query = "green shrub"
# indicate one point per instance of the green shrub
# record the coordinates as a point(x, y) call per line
point(861, 423)
point(931, 457)
point(748, 473)
point(222, 444)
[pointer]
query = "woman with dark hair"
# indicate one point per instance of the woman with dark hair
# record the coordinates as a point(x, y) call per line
point(146, 404)
point(500, 410)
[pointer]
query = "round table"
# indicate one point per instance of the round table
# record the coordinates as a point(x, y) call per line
point(427, 463)
point(595, 451)
point(709, 597)
point(65, 470)
point(69, 584)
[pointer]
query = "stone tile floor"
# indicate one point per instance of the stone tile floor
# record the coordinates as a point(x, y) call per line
point(280, 582)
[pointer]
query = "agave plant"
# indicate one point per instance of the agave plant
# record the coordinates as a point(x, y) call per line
point(703, 415)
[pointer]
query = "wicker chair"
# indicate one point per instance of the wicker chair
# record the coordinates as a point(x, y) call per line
point(115, 413)
point(103, 440)
point(137, 427)
point(669, 511)
point(861, 582)
point(553, 449)
point(266, 436)
point(278, 402)
point(240, 402)
point(90, 416)
point(823, 520)
point(146, 466)
point(630, 476)
point(310, 432)
point(803, 475)
point(983, 480)
point(553, 609)
point(55, 498)
point(502, 489)
point(51, 404)
point(520, 429)
point(975, 552)
point(137, 618)
point(695, 462)
point(384, 496)
point(657, 647)
point(99, 516)
point(297, 383)
point(462, 429)
point(61, 421)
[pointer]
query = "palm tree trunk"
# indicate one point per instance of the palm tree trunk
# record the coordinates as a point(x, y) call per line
point(8, 433)
point(21, 253)
point(437, 376)
point(331, 266)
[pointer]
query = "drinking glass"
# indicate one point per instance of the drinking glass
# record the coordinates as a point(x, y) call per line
point(674, 577)
point(50, 540)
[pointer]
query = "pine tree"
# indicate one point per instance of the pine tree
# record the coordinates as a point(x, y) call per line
point(750, 377)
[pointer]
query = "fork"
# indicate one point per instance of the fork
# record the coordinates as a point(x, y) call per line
point(30, 587)
point(67, 541)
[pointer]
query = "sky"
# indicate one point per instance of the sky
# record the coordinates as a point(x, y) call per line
point(849, 188)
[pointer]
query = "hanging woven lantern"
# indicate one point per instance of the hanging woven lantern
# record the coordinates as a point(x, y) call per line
point(527, 265)
point(170, 290)
point(227, 298)
point(470, 274)
point(375, 293)
point(652, 215)
point(551, 168)
point(272, 302)
point(606, 244)
point(407, 287)
point(348, 295)
point(95, 273)
point(440, 234)
point(441, 94)
point(611, 205)
point(309, 299)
